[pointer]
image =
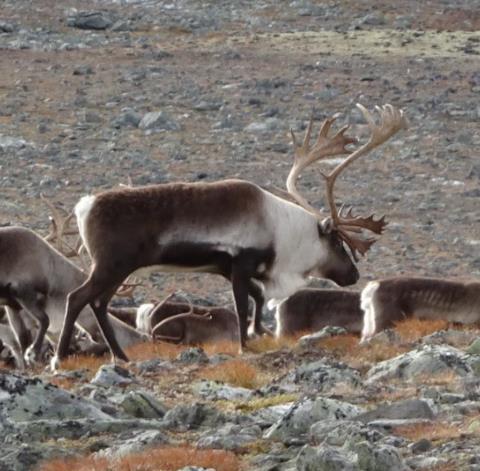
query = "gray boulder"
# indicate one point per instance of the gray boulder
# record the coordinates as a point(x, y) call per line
point(343, 433)
point(142, 405)
point(230, 437)
point(135, 444)
point(112, 375)
point(188, 417)
point(159, 121)
point(90, 20)
point(379, 458)
point(302, 415)
point(325, 459)
point(214, 390)
point(323, 375)
point(328, 331)
point(26, 399)
point(407, 409)
point(427, 361)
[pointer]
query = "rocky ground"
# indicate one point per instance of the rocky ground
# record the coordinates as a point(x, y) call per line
point(147, 91)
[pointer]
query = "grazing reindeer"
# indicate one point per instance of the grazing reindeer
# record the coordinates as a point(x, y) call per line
point(35, 279)
point(312, 309)
point(232, 227)
point(390, 300)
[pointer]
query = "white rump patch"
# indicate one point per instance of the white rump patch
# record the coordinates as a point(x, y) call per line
point(366, 303)
point(82, 209)
point(142, 320)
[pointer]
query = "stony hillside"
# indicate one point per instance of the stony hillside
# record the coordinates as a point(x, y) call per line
point(99, 93)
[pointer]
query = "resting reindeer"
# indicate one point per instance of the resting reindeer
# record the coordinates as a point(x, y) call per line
point(187, 324)
point(196, 327)
point(312, 309)
point(390, 300)
point(230, 227)
point(35, 279)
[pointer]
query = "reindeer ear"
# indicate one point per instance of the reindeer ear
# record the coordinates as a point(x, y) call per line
point(326, 226)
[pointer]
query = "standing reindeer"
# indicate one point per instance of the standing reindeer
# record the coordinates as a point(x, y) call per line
point(312, 309)
point(230, 227)
point(390, 300)
point(35, 280)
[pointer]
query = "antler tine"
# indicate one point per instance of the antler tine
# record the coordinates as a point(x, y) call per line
point(127, 288)
point(58, 231)
point(324, 147)
point(392, 120)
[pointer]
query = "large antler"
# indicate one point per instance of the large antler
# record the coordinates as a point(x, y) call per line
point(392, 120)
point(323, 148)
point(60, 229)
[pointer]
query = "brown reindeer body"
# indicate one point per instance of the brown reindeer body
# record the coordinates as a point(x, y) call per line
point(35, 280)
point(260, 242)
point(199, 327)
point(390, 300)
point(312, 309)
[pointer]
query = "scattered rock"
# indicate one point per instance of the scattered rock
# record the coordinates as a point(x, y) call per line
point(142, 405)
point(297, 421)
point(193, 355)
point(230, 437)
point(187, 417)
point(112, 375)
point(329, 331)
point(324, 458)
point(95, 20)
point(427, 361)
point(25, 399)
point(407, 409)
point(158, 121)
point(379, 458)
point(213, 390)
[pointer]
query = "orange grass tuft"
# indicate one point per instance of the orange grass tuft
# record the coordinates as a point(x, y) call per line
point(348, 349)
point(149, 350)
point(234, 372)
point(230, 348)
point(267, 343)
point(87, 362)
point(156, 459)
point(412, 329)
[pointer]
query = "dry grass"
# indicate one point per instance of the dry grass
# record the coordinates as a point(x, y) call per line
point(347, 348)
point(157, 459)
point(435, 432)
point(149, 350)
point(267, 343)
point(234, 372)
point(225, 346)
point(412, 329)
point(84, 362)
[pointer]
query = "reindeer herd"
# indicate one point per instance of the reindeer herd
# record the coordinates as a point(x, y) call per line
point(267, 246)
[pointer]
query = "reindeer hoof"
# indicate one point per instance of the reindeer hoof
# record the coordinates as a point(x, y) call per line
point(54, 364)
point(30, 356)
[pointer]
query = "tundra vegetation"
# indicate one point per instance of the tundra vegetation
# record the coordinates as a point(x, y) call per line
point(139, 93)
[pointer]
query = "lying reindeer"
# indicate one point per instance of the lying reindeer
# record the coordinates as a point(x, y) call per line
point(390, 300)
point(312, 309)
point(35, 279)
point(232, 227)
point(194, 328)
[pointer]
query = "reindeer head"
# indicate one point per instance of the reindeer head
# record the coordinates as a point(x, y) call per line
point(341, 229)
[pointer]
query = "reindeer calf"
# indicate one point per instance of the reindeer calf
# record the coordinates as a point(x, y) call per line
point(312, 309)
point(390, 300)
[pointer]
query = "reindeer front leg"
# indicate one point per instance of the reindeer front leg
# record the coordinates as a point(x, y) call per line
point(240, 279)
